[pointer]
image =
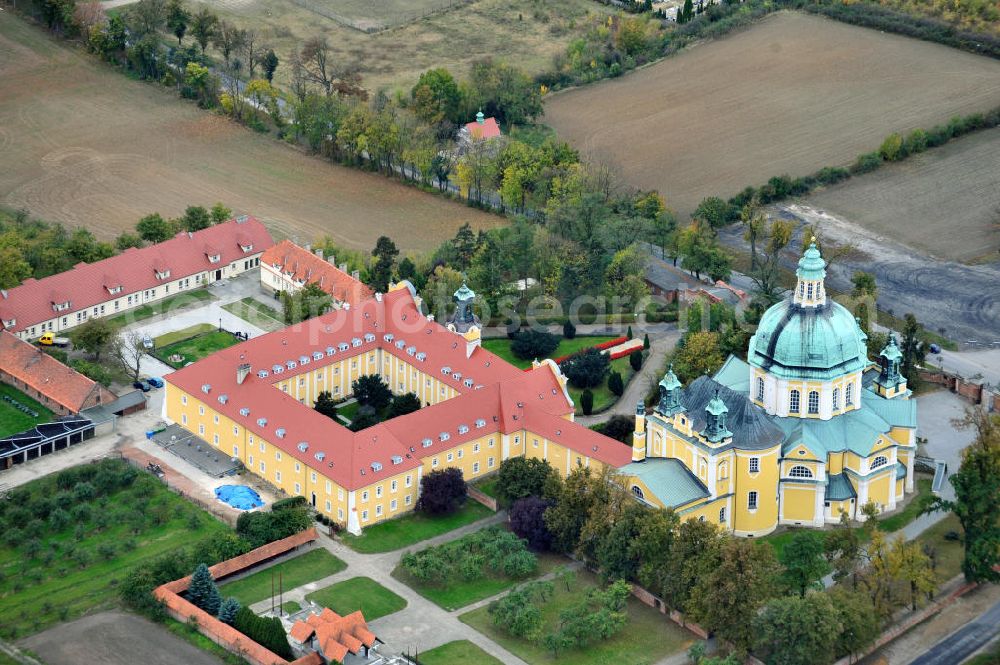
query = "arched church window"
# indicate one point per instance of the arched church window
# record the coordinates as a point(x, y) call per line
point(760, 389)
point(636, 490)
point(809, 292)
point(879, 462)
point(836, 398)
point(849, 394)
point(723, 470)
point(800, 472)
point(813, 401)
point(793, 401)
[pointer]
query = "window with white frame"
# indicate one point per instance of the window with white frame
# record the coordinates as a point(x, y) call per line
point(813, 401)
point(836, 398)
point(754, 464)
point(849, 394)
point(364, 515)
point(407, 481)
point(378, 510)
point(800, 472)
point(364, 495)
point(722, 515)
point(637, 491)
point(752, 500)
point(408, 499)
point(394, 485)
point(760, 389)
point(793, 401)
point(879, 462)
point(489, 463)
point(475, 467)
point(392, 505)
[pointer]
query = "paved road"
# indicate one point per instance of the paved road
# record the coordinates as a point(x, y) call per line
point(963, 300)
point(965, 641)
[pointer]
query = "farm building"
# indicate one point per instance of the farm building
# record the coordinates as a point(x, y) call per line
point(481, 129)
point(288, 267)
point(40, 376)
point(133, 278)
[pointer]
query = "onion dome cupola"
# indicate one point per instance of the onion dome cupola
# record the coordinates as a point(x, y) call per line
point(890, 380)
point(670, 394)
point(715, 420)
point(808, 336)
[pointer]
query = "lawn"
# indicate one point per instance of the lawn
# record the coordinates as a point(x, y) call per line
point(309, 567)
point(12, 419)
point(458, 593)
point(948, 554)
point(413, 528)
point(501, 347)
point(358, 593)
point(488, 487)
point(65, 571)
point(648, 637)
point(349, 410)
point(165, 306)
point(460, 652)
point(911, 511)
point(169, 338)
point(195, 348)
point(291, 606)
point(256, 313)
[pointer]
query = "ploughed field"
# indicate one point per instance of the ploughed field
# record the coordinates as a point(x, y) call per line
point(945, 202)
point(84, 145)
point(791, 94)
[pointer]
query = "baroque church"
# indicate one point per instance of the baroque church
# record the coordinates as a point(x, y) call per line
point(804, 430)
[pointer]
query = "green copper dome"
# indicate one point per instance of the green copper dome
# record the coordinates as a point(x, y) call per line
point(811, 265)
point(464, 293)
point(794, 342)
point(669, 380)
point(891, 350)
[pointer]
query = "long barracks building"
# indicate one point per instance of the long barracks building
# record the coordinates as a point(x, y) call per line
point(253, 401)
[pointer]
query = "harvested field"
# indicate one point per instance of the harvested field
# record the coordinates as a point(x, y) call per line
point(523, 32)
point(82, 144)
point(789, 95)
point(945, 202)
point(115, 638)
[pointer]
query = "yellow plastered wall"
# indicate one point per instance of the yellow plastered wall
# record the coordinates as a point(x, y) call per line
point(387, 498)
point(475, 458)
point(878, 487)
point(765, 483)
point(708, 511)
point(800, 502)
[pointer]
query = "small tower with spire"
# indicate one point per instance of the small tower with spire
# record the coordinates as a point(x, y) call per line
point(464, 321)
point(890, 381)
point(639, 434)
point(670, 394)
point(715, 421)
point(810, 289)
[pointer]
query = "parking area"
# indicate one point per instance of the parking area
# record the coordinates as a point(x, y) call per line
point(196, 451)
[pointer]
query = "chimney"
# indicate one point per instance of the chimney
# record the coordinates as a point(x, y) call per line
point(342, 267)
point(356, 274)
point(242, 371)
point(319, 253)
point(333, 260)
point(309, 247)
point(3, 293)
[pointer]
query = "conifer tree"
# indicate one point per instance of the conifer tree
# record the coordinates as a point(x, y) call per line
point(227, 611)
point(203, 592)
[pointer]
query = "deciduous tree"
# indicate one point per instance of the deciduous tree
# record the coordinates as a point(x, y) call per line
point(326, 405)
point(797, 631)
point(803, 560)
point(441, 491)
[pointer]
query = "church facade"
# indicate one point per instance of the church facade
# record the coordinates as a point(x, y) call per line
point(805, 430)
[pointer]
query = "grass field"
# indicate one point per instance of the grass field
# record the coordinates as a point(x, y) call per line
point(501, 347)
point(647, 637)
point(165, 306)
point(256, 313)
point(460, 652)
point(12, 419)
point(604, 398)
point(358, 593)
point(55, 576)
point(84, 145)
point(789, 95)
point(413, 528)
point(195, 348)
point(459, 593)
point(948, 554)
point(309, 567)
point(524, 32)
point(948, 198)
point(184, 333)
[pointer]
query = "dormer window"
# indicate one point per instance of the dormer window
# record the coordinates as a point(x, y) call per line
point(247, 248)
point(163, 273)
point(356, 342)
point(60, 306)
point(9, 323)
point(468, 383)
point(480, 423)
point(396, 459)
point(115, 289)
point(369, 337)
point(303, 360)
point(214, 258)
point(280, 432)
point(277, 369)
point(376, 466)
point(462, 429)
point(444, 436)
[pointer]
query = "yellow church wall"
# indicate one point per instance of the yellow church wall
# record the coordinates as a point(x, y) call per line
point(835, 463)
point(725, 467)
point(647, 495)
point(765, 483)
point(799, 503)
point(707, 512)
point(878, 488)
point(900, 488)
point(787, 464)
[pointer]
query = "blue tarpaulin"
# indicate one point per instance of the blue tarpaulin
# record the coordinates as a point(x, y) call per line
point(240, 497)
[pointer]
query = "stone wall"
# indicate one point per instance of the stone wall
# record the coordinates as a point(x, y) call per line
point(675, 616)
point(975, 391)
point(482, 498)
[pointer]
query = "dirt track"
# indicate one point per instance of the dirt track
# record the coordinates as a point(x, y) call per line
point(84, 145)
point(114, 638)
point(789, 95)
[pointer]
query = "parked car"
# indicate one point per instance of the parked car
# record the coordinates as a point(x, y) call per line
point(935, 348)
point(147, 341)
point(142, 385)
point(49, 339)
point(154, 381)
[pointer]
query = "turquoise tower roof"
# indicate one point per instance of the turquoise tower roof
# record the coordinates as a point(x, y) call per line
point(795, 342)
point(811, 265)
point(464, 293)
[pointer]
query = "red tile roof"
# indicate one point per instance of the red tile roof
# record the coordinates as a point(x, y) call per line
point(337, 636)
point(303, 266)
point(488, 130)
point(40, 371)
point(492, 395)
point(134, 270)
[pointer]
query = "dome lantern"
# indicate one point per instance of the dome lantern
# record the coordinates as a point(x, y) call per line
point(670, 392)
point(890, 381)
point(715, 420)
point(810, 288)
